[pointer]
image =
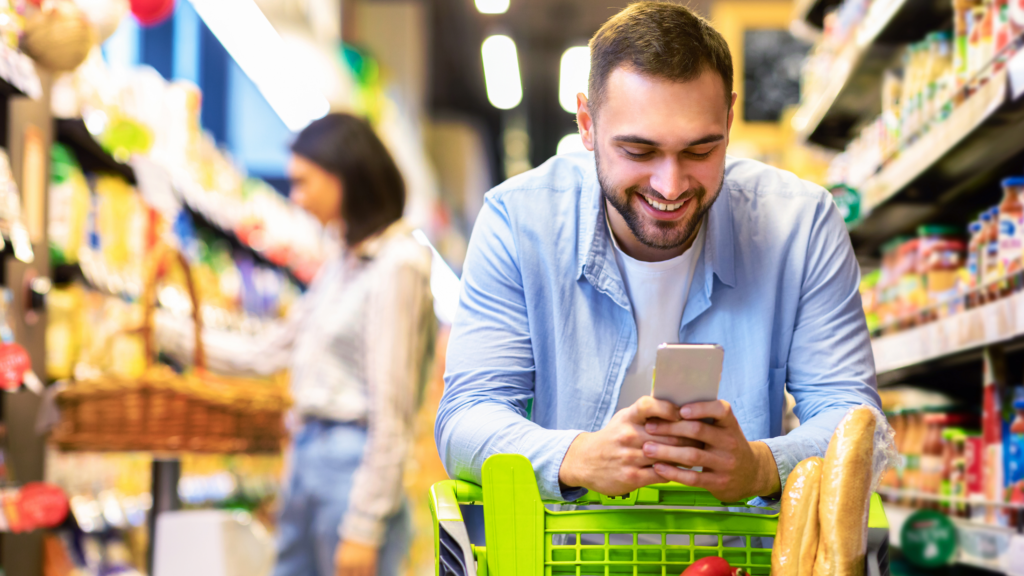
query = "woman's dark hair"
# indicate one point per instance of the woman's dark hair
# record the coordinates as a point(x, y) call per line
point(373, 190)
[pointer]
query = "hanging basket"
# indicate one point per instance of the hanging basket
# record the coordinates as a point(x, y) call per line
point(165, 411)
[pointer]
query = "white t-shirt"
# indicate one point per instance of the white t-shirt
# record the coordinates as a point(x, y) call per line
point(658, 293)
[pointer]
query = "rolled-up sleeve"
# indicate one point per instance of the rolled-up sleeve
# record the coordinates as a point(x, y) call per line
point(489, 376)
point(830, 367)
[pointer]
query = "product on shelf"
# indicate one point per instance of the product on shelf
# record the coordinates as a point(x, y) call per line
point(1011, 226)
point(31, 507)
point(141, 114)
point(933, 77)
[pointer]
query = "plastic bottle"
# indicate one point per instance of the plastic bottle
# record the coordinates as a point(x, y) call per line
point(989, 246)
point(958, 473)
point(1011, 230)
point(974, 230)
point(914, 445)
point(931, 459)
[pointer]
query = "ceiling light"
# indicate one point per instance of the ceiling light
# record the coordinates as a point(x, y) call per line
point(492, 6)
point(574, 75)
point(570, 143)
point(501, 72)
point(256, 46)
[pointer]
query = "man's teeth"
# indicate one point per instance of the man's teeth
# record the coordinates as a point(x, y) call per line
point(664, 207)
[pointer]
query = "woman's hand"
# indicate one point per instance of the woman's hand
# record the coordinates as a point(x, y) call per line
point(355, 559)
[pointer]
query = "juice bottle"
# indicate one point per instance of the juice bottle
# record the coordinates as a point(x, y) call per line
point(891, 479)
point(962, 25)
point(1011, 231)
point(946, 478)
point(914, 449)
point(958, 473)
point(973, 268)
point(1000, 33)
point(931, 459)
point(990, 243)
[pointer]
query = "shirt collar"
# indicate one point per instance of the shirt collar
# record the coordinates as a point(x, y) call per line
point(594, 242)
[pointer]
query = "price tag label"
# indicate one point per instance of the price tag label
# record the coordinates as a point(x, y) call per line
point(14, 362)
point(1015, 67)
point(1015, 556)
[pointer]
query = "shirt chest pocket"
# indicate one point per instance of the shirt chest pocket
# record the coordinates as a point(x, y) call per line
point(759, 408)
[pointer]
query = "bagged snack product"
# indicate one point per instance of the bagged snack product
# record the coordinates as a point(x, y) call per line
point(796, 541)
point(860, 451)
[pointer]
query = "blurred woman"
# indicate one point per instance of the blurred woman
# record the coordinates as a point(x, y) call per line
point(357, 346)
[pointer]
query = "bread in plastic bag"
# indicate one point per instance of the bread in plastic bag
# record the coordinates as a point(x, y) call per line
point(796, 539)
point(861, 449)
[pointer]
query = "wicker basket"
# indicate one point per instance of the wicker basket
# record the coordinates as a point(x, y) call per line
point(164, 411)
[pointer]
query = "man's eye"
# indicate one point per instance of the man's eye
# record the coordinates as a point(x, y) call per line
point(636, 155)
point(699, 155)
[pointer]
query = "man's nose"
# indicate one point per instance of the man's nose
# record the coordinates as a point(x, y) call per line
point(668, 179)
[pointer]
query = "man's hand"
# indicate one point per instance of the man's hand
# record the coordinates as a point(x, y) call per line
point(611, 461)
point(355, 559)
point(733, 468)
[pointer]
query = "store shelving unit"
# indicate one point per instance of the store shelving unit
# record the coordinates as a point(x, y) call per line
point(93, 158)
point(812, 11)
point(951, 172)
point(853, 91)
point(26, 135)
point(980, 545)
point(201, 220)
point(961, 335)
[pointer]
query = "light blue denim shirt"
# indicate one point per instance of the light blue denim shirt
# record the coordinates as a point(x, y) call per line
point(544, 315)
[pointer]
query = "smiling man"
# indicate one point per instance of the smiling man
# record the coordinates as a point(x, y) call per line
point(579, 269)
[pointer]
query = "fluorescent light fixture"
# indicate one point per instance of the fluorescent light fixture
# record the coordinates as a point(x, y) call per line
point(444, 284)
point(492, 6)
point(501, 72)
point(574, 76)
point(570, 143)
point(258, 49)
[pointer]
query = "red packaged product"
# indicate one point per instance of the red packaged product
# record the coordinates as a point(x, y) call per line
point(975, 447)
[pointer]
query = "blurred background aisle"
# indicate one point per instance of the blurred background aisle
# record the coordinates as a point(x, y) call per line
point(135, 129)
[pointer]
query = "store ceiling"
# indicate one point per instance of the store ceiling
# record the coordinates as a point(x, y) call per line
point(542, 29)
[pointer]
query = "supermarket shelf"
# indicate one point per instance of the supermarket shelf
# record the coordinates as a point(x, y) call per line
point(18, 75)
point(958, 334)
point(981, 545)
point(854, 91)
point(91, 155)
point(813, 11)
point(237, 244)
point(949, 174)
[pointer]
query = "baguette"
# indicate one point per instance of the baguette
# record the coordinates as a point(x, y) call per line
point(796, 540)
point(845, 496)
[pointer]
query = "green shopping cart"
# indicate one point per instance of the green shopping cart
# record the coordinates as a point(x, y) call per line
point(642, 533)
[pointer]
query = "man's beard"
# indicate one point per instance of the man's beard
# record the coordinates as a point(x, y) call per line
point(652, 233)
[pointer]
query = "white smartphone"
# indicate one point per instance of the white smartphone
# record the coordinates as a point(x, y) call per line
point(687, 373)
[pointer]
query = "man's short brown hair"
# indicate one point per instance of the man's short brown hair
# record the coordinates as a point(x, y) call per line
point(660, 39)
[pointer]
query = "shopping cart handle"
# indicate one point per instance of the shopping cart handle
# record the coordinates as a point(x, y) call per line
point(453, 551)
point(664, 494)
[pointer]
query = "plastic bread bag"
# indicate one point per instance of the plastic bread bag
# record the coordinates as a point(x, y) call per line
point(796, 539)
point(862, 448)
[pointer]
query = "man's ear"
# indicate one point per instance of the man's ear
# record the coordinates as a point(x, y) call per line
point(585, 121)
